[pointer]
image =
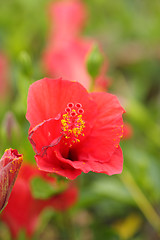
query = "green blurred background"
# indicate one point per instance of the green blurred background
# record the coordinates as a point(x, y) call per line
point(117, 207)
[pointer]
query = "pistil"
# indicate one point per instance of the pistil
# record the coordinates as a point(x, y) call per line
point(73, 123)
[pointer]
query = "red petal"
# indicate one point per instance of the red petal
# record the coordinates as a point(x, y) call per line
point(44, 135)
point(55, 163)
point(113, 166)
point(67, 18)
point(71, 58)
point(70, 196)
point(106, 132)
point(48, 97)
point(45, 139)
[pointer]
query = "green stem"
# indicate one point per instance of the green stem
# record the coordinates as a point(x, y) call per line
point(141, 200)
point(67, 226)
point(91, 87)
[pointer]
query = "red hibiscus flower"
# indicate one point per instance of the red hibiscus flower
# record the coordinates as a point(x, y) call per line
point(72, 130)
point(66, 51)
point(9, 166)
point(23, 210)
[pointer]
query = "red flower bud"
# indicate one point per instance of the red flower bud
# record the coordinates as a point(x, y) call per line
point(9, 166)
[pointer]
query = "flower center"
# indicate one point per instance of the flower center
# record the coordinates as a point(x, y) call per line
point(72, 123)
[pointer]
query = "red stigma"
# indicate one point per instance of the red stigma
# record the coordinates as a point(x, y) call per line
point(68, 109)
point(73, 114)
point(78, 105)
point(70, 105)
point(80, 111)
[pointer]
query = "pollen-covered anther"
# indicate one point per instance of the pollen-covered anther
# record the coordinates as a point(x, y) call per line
point(73, 123)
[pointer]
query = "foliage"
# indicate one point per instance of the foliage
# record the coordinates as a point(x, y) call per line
point(109, 207)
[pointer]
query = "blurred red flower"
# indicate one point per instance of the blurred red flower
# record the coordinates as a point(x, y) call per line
point(4, 84)
point(73, 131)
point(66, 52)
point(67, 19)
point(127, 131)
point(9, 166)
point(23, 210)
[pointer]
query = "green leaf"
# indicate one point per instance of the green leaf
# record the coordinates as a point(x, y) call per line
point(41, 189)
point(101, 232)
point(112, 188)
point(142, 117)
point(94, 61)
